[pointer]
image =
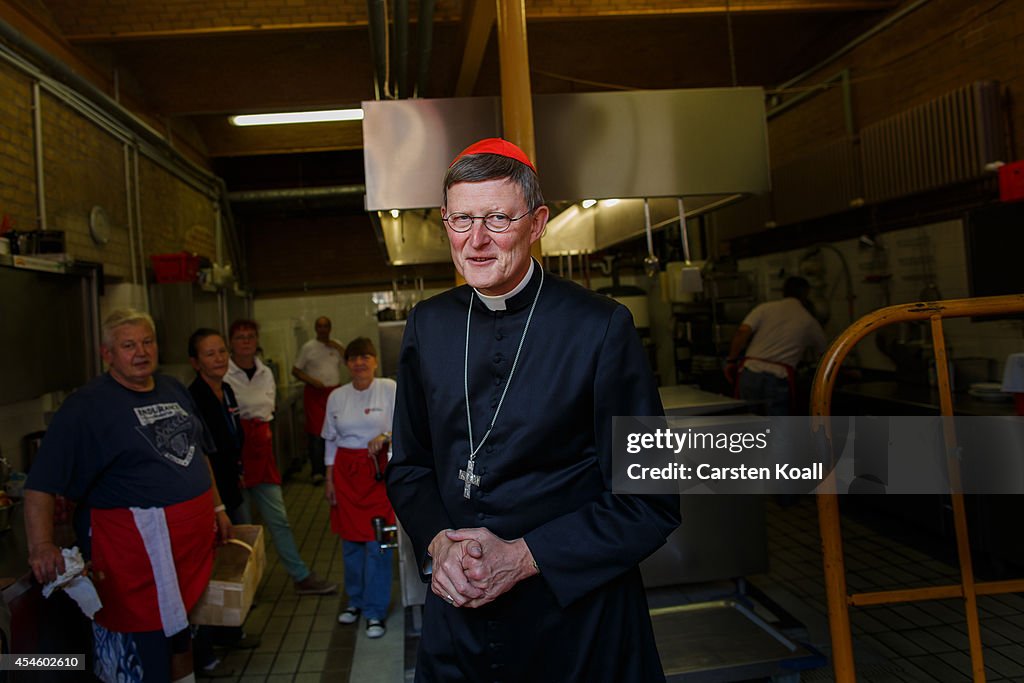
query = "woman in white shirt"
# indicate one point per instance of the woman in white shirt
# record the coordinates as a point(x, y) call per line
point(256, 391)
point(357, 431)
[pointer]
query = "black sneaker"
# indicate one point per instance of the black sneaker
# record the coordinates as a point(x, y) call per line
point(375, 628)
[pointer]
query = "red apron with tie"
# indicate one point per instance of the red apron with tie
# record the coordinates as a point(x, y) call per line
point(151, 565)
point(259, 466)
point(314, 403)
point(360, 496)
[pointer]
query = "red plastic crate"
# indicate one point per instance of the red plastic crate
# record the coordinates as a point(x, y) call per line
point(179, 267)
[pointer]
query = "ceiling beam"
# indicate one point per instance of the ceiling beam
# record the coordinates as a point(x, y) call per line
point(45, 36)
point(595, 9)
point(209, 32)
point(540, 12)
point(478, 18)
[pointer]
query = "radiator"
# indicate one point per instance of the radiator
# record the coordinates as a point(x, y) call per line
point(947, 140)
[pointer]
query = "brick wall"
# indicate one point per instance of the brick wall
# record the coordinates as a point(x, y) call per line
point(36, 9)
point(17, 165)
point(321, 252)
point(84, 167)
point(175, 216)
point(940, 47)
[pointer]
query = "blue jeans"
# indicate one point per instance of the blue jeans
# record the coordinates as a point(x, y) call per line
point(367, 577)
point(270, 502)
point(766, 387)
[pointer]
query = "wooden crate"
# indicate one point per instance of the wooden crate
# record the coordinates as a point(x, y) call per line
point(237, 570)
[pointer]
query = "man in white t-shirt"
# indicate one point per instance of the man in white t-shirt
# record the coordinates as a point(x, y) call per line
point(775, 335)
point(319, 367)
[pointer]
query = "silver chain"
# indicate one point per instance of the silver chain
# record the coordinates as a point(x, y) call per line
point(465, 373)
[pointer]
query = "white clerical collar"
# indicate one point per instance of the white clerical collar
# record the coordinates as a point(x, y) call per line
point(497, 303)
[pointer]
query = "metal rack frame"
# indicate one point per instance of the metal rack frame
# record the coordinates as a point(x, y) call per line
point(839, 600)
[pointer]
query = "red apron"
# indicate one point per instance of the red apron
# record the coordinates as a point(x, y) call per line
point(150, 564)
point(360, 496)
point(259, 466)
point(790, 379)
point(314, 402)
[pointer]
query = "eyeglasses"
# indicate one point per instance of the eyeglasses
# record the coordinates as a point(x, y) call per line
point(495, 222)
point(245, 336)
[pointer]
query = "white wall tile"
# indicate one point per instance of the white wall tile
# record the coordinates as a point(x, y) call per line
point(287, 322)
point(916, 258)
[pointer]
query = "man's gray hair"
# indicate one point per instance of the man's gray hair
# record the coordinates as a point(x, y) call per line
point(124, 316)
point(477, 168)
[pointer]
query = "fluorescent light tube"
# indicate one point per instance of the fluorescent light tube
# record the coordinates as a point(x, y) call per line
point(280, 118)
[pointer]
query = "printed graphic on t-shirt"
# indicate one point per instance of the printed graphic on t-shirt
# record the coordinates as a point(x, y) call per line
point(367, 411)
point(167, 427)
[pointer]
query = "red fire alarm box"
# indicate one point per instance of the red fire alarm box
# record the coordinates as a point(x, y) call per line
point(1011, 182)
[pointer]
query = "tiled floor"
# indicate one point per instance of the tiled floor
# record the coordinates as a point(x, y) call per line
point(923, 641)
point(918, 642)
point(300, 637)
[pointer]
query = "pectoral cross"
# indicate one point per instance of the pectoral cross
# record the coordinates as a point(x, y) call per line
point(471, 479)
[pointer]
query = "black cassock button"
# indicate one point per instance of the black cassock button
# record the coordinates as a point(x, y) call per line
point(498, 358)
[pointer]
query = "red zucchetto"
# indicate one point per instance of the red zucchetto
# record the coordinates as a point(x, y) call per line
point(495, 146)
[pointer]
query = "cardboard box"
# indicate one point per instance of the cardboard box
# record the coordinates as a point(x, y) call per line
point(237, 570)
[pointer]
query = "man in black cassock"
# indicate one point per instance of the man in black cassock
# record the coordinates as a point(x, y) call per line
point(501, 472)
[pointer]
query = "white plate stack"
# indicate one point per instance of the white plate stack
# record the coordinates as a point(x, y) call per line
point(989, 391)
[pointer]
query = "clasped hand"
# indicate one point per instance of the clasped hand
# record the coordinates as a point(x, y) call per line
point(472, 567)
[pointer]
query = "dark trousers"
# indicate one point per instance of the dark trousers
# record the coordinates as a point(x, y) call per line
point(766, 387)
point(315, 448)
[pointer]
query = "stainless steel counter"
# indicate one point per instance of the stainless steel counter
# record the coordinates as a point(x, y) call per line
point(684, 399)
point(721, 537)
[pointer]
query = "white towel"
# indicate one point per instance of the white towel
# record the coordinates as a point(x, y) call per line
point(79, 587)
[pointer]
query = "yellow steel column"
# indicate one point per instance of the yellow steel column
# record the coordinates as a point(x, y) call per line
point(516, 97)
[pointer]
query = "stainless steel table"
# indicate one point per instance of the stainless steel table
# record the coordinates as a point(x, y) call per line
point(684, 399)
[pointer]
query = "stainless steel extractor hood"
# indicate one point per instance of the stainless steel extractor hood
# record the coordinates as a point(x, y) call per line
point(413, 236)
point(584, 230)
point(709, 146)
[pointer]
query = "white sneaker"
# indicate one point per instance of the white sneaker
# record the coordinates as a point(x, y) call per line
point(375, 628)
point(349, 616)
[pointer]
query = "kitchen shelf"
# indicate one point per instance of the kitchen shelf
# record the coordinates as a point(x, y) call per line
point(703, 329)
